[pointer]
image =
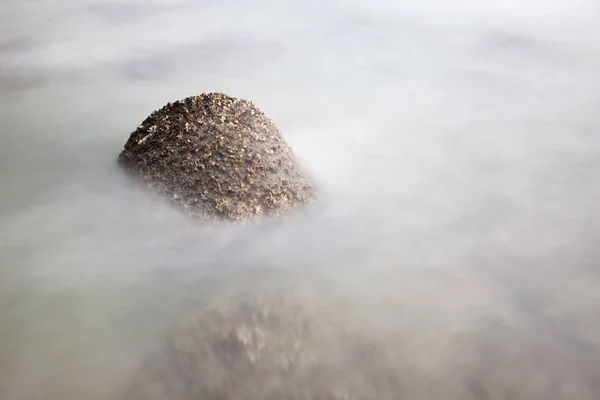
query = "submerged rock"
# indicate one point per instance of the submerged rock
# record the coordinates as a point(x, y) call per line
point(217, 157)
point(268, 342)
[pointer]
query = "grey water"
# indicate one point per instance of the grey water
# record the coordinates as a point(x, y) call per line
point(456, 145)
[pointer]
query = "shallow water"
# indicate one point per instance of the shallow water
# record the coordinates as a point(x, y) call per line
point(455, 144)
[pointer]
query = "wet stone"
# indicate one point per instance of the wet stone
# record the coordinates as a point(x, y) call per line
point(217, 158)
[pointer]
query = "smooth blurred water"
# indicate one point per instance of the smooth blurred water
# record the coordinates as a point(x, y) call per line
point(456, 145)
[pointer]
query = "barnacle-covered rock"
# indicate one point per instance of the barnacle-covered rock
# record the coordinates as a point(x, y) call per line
point(217, 157)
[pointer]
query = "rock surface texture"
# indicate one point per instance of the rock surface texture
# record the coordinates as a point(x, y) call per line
point(271, 342)
point(218, 158)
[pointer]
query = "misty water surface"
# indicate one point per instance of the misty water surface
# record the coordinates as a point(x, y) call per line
point(456, 146)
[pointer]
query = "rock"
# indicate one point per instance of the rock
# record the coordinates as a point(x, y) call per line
point(217, 157)
point(272, 341)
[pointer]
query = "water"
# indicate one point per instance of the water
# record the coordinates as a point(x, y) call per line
point(455, 143)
